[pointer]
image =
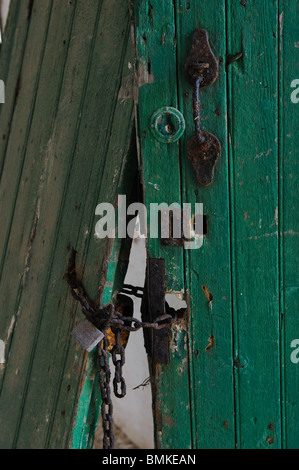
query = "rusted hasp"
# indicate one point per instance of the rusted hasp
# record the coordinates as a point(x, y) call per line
point(153, 306)
point(201, 70)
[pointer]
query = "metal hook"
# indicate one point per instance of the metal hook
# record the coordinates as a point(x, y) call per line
point(201, 70)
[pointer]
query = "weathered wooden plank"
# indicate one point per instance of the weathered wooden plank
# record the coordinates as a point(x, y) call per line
point(47, 363)
point(212, 368)
point(21, 121)
point(11, 60)
point(156, 48)
point(13, 166)
point(36, 173)
point(96, 138)
point(253, 134)
point(72, 111)
point(288, 218)
point(121, 178)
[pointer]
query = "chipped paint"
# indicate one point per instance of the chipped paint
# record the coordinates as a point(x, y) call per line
point(281, 22)
point(178, 339)
point(2, 352)
point(126, 90)
point(175, 300)
point(211, 343)
point(208, 294)
point(276, 216)
point(11, 327)
point(154, 185)
point(47, 162)
point(142, 76)
point(265, 235)
point(145, 77)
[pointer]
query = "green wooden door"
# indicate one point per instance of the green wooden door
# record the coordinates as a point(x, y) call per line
point(231, 381)
point(65, 146)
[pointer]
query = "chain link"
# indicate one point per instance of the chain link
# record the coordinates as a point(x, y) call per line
point(104, 318)
point(106, 406)
point(118, 350)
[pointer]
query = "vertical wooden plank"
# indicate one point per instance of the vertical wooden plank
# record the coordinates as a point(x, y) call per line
point(156, 48)
point(288, 218)
point(253, 134)
point(212, 367)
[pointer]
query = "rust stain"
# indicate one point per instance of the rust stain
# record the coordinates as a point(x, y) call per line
point(234, 57)
point(207, 293)
point(111, 338)
point(238, 364)
point(211, 343)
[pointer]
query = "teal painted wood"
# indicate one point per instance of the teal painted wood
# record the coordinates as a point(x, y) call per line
point(69, 133)
point(160, 164)
point(253, 134)
point(288, 219)
point(211, 369)
point(244, 392)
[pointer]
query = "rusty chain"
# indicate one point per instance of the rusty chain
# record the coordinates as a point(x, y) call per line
point(118, 350)
point(103, 318)
point(106, 406)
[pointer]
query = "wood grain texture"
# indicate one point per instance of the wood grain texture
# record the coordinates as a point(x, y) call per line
point(209, 266)
point(160, 166)
point(288, 219)
point(60, 162)
point(253, 134)
point(66, 145)
point(11, 59)
point(244, 390)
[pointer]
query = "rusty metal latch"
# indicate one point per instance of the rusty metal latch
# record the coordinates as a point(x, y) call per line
point(108, 328)
point(153, 306)
point(201, 70)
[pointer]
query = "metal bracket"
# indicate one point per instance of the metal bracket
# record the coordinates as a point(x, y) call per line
point(153, 306)
point(201, 70)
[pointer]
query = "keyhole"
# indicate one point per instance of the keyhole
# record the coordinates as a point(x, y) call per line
point(168, 125)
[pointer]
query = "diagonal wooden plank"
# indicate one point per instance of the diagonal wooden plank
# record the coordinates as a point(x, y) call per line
point(67, 157)
point(33, 175)
point(11, 59)
point(105, 158)
point(21, 120)
point(119, 171)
